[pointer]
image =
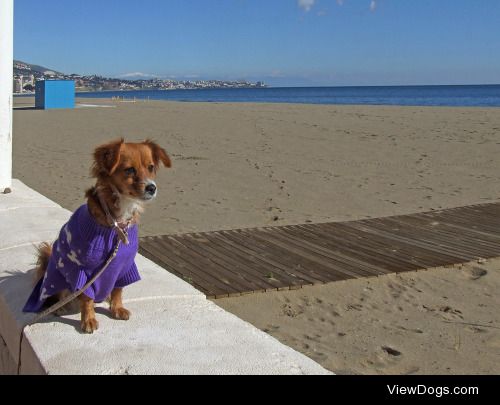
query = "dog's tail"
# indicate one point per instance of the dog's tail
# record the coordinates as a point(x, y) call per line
point(44, 250)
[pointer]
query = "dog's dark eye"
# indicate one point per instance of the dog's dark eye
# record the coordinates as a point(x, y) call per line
point(130, 171)
point(151, 168)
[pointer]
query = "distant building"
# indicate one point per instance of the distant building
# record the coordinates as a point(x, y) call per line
point(17, 85)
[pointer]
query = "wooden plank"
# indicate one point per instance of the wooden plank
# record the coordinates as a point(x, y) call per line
point(443, 217)
point(456, 241)
point(470, 217)
point(475, 222)
point(464, 226)
point(455, 251)
point(231, 263)
point(444, 229)
point(224, 254)
point(237, 268)
point(160, 249)
point(448, 246)
point(337, 251)
point(465, 222)
point(328, 271)
point(275, 262)
point(196, 268)
point(251, 261)
point(420, 251)
point(485, 211)
point(356, 246)
point(402, 251)
point(206, 265)
point(278, 260)
point(163, 259)
point(431, 247)
point(322, 255)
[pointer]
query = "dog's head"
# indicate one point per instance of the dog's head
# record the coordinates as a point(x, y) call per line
point(130, 167)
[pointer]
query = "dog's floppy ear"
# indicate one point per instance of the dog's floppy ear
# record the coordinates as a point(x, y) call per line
point(159, 154)
point(107, 158)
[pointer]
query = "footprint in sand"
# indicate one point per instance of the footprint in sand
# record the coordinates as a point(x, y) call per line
point(446, 312)
point(356, 307)
point(475, 329)
point(391, 352)
point(396, 290)
point(383, 358)
point(418, 331)
point(450, 313)
point(291, 312)
point(318, 356)
point(475, 273)
point(271, 328)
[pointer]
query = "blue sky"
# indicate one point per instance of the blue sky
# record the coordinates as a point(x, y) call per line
point(283, 42)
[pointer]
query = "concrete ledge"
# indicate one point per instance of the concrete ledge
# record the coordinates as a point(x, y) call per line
point(181, 336)
point(34, 224)
point(173, 330)
point(24, 197)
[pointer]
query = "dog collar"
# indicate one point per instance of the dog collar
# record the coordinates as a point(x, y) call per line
point(121, 228)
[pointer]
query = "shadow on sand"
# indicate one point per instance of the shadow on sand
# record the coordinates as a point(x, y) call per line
point(25, 108)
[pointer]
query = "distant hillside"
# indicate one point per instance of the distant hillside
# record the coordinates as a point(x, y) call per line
point(23, 68)
point(23, 81)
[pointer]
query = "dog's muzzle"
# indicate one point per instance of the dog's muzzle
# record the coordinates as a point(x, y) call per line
point(150, 190)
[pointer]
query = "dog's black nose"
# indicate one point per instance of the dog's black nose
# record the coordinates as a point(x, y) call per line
point(150, 189)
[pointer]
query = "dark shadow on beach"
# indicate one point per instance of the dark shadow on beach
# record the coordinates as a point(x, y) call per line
point(25, 108)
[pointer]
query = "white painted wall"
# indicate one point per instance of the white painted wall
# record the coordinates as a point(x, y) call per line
point(6, 78)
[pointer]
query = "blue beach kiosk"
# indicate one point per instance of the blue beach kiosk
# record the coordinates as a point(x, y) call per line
point(55, 94)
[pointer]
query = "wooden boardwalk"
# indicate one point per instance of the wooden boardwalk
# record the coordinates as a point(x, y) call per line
point(236, 262)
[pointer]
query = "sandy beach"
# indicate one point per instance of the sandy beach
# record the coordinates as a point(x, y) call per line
point(441, 321)
point(250, 165)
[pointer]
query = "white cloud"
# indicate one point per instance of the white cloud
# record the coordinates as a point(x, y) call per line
point(306, 4)
point(373, 6)
point(340, 2)
point(136, 74)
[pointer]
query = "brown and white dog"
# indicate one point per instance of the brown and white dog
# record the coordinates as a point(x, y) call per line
point(125, 174)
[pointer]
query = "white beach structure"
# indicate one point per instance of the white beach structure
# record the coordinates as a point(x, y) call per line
point(6, 78)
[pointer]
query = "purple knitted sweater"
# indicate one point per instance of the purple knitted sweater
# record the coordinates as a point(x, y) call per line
point(82, 249)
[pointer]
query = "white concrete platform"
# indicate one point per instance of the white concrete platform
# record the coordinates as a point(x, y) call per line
point(174, 329)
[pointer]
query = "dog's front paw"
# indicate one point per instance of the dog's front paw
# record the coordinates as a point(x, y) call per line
point(121, 314)
point(90, 325)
